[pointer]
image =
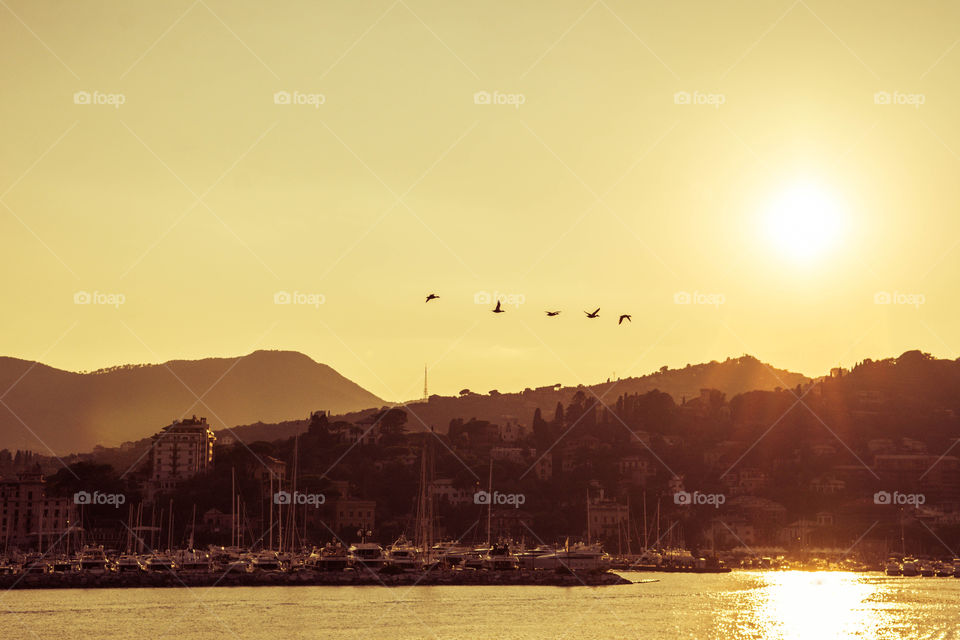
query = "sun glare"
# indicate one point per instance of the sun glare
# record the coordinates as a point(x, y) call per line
point(803, 221)
point(805, 606)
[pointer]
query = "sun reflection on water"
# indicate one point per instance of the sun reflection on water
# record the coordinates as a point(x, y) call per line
point(814, 606)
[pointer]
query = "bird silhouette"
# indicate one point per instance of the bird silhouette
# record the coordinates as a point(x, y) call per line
point(595, 314)
point(432, 296)
point(552, 313)
point(626, 317)
point(498, 309)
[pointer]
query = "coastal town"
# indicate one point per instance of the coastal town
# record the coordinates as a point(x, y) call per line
point(642, 483)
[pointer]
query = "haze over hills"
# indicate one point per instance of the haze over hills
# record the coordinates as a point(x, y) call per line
point(63, 411)
point(732, 376)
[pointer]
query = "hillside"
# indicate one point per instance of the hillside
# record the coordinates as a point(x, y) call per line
point(63, 411)
point(732, 376)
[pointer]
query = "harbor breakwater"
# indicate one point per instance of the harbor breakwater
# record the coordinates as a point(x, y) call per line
point(80, 580)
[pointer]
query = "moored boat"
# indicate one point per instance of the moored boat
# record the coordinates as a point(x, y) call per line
point(403, 555)
point(579, 557)
point(331, 557)
point(160, 562)
point(450, 554)
point(910, 567)
point(129, 563)
point(8, 567)
point(266, 561)
point(63, 564)
point(192, 561)
point(366, 555)
point(528, 557)
point(93, 560)
point(893, 568)
point(500, 558)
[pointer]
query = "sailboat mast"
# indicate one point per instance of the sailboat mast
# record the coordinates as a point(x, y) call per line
point(646, 539)
point(280, 521)
point(629, 550)
point(658, 518)
point(588, 517)
point(193, 524)
point(292, 524)
point(270, 501)
point(490, 503)
point(233, 505)
point(129, 525)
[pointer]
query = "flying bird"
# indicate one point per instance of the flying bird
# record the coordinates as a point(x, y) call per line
point(595, 314)
point(626, 317)
point(498, 309)
point(432, 296)
point(552, 313)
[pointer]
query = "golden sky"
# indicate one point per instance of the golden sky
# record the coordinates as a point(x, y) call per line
point(789, 168)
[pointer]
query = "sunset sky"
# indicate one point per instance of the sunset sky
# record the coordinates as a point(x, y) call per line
point(810, 180)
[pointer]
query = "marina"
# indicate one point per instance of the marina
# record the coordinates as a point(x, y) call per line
point(404, 564)
point(363, 563)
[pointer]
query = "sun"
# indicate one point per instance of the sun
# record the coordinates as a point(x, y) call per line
point(803, 221)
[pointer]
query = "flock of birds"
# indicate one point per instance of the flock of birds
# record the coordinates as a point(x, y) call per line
point(550, 314)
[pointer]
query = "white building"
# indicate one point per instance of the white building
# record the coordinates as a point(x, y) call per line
point(180, 451)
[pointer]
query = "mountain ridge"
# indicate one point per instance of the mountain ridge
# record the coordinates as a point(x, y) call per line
point(50, 409)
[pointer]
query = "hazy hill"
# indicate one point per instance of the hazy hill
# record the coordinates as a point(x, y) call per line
point(733, 376)
point(66, 411)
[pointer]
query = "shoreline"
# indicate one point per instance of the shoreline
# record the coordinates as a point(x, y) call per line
point(316, 579)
